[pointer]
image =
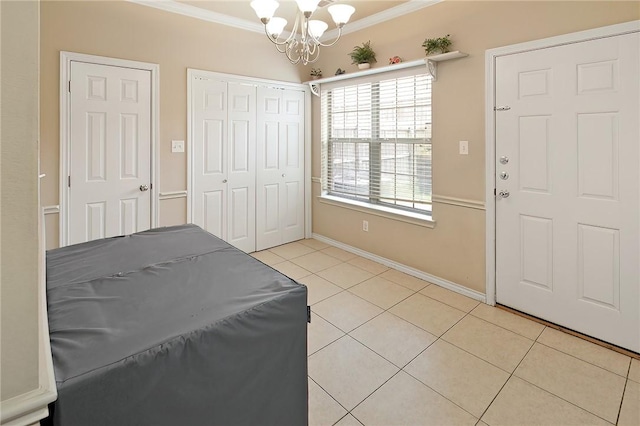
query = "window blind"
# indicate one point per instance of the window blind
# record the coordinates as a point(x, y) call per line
point(376, 138)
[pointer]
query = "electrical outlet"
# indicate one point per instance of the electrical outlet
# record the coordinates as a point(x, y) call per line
point(464, 147)
point(365, 226)
point(177, 146)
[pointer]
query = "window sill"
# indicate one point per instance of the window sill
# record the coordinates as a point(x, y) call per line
point(382, 211)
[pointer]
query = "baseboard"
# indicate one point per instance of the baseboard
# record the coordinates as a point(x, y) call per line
point(27, 408)
point(449, 285)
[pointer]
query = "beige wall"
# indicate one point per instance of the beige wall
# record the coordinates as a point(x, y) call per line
point(454, 249)
point(129, 31)
point(19, 198)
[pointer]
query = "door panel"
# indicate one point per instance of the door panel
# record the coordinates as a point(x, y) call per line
point(567, 236)
point(280, 168)
point(110, 151)
point(223, 143)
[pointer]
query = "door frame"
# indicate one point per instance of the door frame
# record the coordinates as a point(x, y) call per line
point(191, 73)
point(490, 131)
point(65, 135)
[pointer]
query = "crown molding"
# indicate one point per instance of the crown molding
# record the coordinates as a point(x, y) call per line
point(380, 17)
point(257, 27)
point(203, 14)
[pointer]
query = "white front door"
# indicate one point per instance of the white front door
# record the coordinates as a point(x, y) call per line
point(223, 143)
point(280, 167)
point(567, 153)
point(109, 151)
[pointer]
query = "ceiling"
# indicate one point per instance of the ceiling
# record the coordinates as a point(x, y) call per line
point(242, 10)
point(239, 14)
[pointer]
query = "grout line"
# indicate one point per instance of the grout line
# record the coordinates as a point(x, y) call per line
point(584, 360)
point(330, 396)
point(624, 390)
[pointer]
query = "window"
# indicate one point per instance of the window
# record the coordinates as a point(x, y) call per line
point(376, 138)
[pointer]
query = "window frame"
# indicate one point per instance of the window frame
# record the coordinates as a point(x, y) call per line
point(374, 201)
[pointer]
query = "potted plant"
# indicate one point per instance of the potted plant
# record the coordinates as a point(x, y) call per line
point(316, 73)
point(437, 45)
point(363, 55)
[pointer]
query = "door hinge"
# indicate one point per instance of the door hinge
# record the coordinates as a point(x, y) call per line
point(69, 86)
point(69, 181)
point(502, 108)
point(494, 191)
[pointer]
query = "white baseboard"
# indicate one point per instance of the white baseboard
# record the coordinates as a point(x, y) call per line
point(449, 285)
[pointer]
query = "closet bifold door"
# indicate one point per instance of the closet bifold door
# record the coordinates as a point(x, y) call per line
point(279, 167)
point(224, 144)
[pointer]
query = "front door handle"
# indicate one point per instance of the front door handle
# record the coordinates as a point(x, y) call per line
point(144, 187)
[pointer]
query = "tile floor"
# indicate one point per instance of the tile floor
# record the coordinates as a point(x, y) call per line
point(386, 348)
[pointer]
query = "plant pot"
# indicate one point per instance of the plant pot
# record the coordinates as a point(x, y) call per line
point(364, 66)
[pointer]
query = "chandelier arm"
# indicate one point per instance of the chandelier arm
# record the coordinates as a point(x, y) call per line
point(329, 44)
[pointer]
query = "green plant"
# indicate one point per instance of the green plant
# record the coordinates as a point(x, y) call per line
point(437, 45)
point(363, 54)
point(316, 72)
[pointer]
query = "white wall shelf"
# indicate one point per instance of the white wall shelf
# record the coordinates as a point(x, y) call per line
point(430, 61)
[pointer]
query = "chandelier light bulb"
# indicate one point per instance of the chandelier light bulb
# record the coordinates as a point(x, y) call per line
point(275, 26)
point(341, 13)
point(317, 28)
point(307, 5)
point(264, 8)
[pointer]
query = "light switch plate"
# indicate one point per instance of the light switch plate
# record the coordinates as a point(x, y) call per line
point(177, 146)
point(464, 147)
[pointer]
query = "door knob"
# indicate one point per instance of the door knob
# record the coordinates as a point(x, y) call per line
point(283, 175)
point(504, 194)
point(504, 175)
point(224, 181)
point(504, 159)
point(144, 187)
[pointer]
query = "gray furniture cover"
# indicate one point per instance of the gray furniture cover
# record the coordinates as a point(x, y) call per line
point(173, 326)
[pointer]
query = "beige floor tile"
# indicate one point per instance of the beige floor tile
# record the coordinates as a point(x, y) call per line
point(634, 371)
point(346, 311)
point(521, 403)
point(349, 371)
point(381, 292)
point(343, 255)
point(586, 351)
point(428, 314)
point(348, 420)
point(585, 385)
point(459, 376)
point(318, 288)
point(314, 244)
point(267, 257)
point(291, 250)
point(291, 270)
point(321, 333)
point(517, 324)
point(630, 411)
point(316, 261)
point(406, 280)
point(368, 265)
point(494, 344)
point(481, 423)
point(345, 275)
point(323, 410)
point(404, 401)
point(449, 297)
point(395, 339)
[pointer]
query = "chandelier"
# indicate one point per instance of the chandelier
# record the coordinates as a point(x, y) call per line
point(302, 46)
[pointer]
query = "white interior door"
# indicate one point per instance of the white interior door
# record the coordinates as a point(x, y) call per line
point(110, 151)
point(280, 167)
point(223, 141)
point(567, 235)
